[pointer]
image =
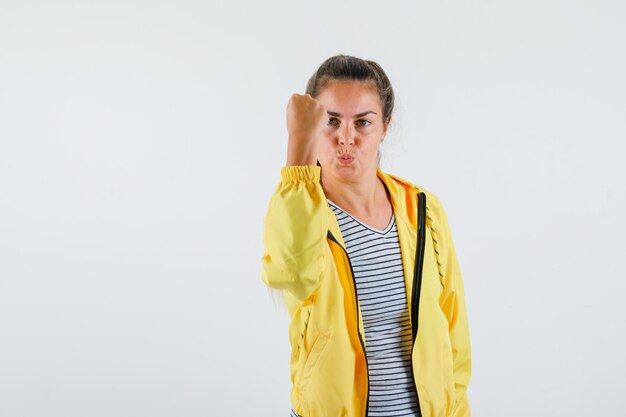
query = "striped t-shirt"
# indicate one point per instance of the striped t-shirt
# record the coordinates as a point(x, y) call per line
point(377, 265)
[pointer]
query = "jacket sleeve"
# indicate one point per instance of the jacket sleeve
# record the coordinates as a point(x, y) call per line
point(452, 302)
point(294, 235)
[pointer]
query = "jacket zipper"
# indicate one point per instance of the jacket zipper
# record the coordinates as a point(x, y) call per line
point(367, 401)
point(417, 273)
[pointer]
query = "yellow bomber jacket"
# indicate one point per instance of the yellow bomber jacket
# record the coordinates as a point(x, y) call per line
point(304, 255)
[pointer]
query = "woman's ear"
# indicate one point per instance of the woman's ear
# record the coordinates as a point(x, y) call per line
point(386, 128)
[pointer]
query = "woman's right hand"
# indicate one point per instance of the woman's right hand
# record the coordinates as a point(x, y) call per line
point(306, 118)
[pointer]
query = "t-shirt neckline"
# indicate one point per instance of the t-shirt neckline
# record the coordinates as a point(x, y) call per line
point(382, 232)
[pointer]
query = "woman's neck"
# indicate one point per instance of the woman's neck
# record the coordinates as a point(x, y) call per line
point(363, 195)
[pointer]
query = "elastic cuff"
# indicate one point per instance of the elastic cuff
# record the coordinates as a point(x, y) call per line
point(301, 173)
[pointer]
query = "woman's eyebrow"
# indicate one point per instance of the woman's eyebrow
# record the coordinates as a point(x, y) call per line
point(334, 113)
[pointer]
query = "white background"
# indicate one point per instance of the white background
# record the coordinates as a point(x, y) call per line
point(140, 143)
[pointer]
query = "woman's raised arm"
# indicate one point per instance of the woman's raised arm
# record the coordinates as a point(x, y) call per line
point(295, 230)
point(294, 237)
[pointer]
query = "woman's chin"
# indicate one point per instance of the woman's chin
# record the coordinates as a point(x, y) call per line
point(345, 171)
point(342, 171)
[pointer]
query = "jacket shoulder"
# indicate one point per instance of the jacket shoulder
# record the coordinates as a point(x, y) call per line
point(430, 196)
point(434, 208)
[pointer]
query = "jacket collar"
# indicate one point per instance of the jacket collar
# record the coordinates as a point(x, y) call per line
point(403, 196)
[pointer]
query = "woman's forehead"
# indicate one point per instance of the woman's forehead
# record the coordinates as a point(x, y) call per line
point(348, 98)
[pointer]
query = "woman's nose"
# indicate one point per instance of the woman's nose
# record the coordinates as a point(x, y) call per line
point(346, 136)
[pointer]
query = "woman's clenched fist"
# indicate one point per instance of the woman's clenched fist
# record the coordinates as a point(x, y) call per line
point(306, 119)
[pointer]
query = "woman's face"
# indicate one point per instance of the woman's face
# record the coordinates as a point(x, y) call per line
point(348, 149)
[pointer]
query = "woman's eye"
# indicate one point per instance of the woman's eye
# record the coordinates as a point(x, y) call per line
point(363, 122)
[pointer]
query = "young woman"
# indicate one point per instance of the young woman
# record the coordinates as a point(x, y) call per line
point(366, 261)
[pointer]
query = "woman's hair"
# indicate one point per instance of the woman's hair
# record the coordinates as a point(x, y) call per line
point(346, 67)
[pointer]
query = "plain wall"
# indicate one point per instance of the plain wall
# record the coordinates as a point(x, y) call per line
point(140, 143)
